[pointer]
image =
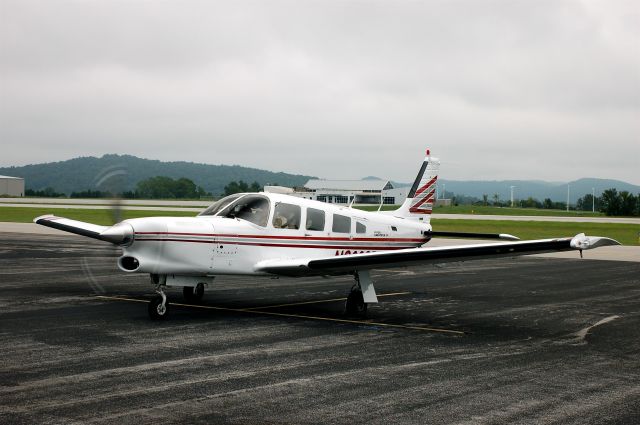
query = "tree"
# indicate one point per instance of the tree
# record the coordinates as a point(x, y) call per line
point(496, 199)
point(90, 194)
point(611, 202)
point(485, 197)
point(586, 203)
point(531, 203)
point(628, 203)
point(240, 187)
point(48, 192)
point(547, 204)
point(166, 187)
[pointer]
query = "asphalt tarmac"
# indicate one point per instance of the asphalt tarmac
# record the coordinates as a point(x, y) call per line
point(528, 340)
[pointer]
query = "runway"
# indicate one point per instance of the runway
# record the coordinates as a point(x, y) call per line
point(527, 340)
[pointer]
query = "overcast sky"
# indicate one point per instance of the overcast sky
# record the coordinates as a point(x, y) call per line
point(546, 90)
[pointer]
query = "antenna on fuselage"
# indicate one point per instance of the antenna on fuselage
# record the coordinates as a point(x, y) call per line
point(381, 202)
point(352, 201)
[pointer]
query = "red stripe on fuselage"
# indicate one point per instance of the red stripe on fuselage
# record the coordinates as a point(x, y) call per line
point(352, 247)
point(308, 238)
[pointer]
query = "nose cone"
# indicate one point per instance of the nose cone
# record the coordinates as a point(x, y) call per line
point(119, 234)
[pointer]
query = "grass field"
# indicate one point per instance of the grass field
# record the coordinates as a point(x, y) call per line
point(626, 234)
point(480, 210)
point(104, 217)
point(459, 209)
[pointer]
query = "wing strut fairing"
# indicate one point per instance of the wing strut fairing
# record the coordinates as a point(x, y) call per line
point(413, 256)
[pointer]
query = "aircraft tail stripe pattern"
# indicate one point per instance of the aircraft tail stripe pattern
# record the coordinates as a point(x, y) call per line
point(422, 197)
point(423, 202)
point(426, 186)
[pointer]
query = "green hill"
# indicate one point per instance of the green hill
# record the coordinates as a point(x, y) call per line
point(84, 173)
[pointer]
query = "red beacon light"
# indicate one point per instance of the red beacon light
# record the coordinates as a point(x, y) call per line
point(428, 152)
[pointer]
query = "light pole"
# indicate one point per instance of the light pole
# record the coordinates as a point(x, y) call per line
point(568, 191)
point(593, 199)
point(444, 192)
point(512, 196)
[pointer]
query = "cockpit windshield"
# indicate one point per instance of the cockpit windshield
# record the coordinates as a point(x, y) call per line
point(218, 205)
point(253, 208)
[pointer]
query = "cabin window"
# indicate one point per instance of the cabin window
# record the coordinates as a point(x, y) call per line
point(252, 208)
point(286, 216)
point(218, 205)
point(341, 224)
point(360, 228)
point(315, 219)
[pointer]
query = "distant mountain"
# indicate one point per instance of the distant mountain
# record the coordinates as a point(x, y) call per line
point(534, 188)
point(538, 189)
point(84, 173)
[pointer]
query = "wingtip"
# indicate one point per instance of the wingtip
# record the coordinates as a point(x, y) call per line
point(42, 217)
point(508, 237)
point(581, 241)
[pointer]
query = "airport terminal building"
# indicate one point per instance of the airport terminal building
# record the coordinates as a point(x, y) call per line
point(373, 192)
point(11, 186)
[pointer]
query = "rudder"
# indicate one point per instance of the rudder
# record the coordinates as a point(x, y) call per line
point(422, 196)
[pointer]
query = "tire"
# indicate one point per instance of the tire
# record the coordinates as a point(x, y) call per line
point(193, 294)
point(155, 312)
point(355, 305)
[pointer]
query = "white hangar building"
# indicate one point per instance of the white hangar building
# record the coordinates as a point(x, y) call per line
point(12, 186)
point(345, 191)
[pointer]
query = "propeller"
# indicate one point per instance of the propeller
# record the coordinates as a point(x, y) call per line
point(113, 180)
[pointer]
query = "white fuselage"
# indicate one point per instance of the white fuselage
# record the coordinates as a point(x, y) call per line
point(213, 245)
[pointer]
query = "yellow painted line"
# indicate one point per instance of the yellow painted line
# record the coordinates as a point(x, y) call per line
point(121, 299)
point(298, 316)
point(321, 301)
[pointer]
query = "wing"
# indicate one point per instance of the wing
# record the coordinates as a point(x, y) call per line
point(118, 234)
point(467, 235)
point(412, 256)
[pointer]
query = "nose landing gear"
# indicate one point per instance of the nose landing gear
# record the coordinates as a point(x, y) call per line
point(158, 306)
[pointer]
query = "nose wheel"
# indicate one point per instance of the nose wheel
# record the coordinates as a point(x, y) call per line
point(158, 306)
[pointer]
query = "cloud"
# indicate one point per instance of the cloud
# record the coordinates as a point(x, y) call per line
point(499, 89)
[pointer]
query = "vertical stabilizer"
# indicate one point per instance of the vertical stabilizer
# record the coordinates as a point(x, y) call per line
point(422, 196)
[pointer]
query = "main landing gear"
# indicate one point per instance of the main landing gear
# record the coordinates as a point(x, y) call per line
point(193, 294)
point(362, 293)
point(355, 305)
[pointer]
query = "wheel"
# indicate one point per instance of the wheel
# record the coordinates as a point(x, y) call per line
point(193, 294)
point(355, 305)
point(156, 310)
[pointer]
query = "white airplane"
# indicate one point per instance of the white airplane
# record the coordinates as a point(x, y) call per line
point(273, 234)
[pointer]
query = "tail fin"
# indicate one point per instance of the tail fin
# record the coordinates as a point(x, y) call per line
point(422, 196)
